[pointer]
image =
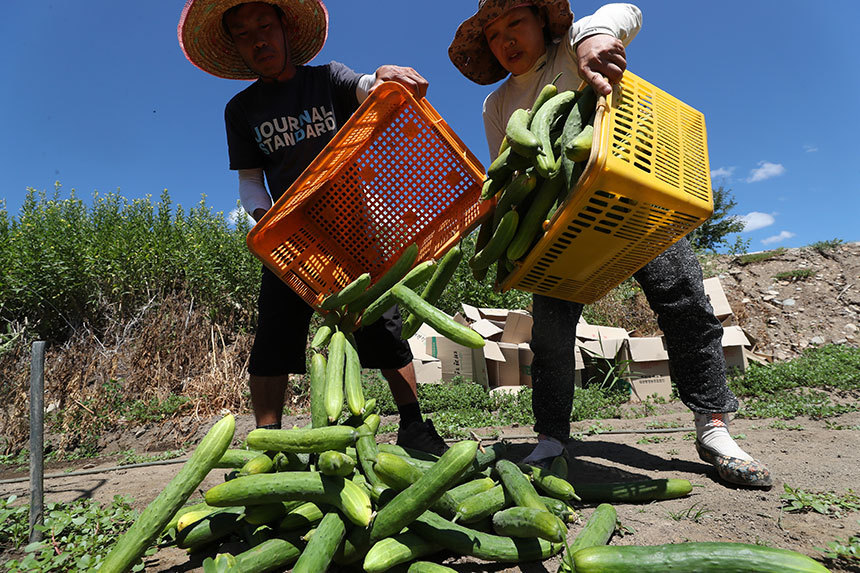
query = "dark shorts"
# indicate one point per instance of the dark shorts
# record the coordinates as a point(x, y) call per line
point(280, 345)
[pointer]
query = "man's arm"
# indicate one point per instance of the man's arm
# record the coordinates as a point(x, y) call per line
point(252, 193)
point(407, 77)
point(597, 43)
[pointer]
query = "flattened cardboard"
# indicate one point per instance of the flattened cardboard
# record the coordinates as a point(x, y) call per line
point(715, 293)
point(500, 314)
point(487, 329)
point(592, 332)
point(427, 371)
point(525, 358)
point(507, 372)
point(471, 312)
point(642, 388)
point(610, 348)
point(734, 343)
point(518, 327)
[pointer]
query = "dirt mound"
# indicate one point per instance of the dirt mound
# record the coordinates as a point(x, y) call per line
point(791, 299)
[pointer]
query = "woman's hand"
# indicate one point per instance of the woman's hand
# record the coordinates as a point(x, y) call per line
point(407, 77)
point(601, 61)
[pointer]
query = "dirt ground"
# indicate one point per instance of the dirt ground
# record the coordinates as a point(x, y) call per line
point(813, 458)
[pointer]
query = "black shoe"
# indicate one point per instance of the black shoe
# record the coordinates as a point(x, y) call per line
point(421, 436)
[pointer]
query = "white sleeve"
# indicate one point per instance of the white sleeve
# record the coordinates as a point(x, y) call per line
point(493, 128)
point(252, 190)
point(362, 90)
point(620, 20)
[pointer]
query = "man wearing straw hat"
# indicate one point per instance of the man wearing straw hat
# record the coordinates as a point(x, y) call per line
point(276, 127)
point(527, 43)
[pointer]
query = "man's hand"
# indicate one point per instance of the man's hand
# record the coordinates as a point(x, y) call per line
point(407, 77)
point(258, 214)
point(601, 61)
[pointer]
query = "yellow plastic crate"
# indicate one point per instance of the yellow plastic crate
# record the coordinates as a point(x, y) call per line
point(647, 184)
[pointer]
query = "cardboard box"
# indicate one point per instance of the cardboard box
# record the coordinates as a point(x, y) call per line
point(735, 342)
point(586, 332)
point(455, 359)
point(525, 358)
point(428, 369)
point(488, 329)
point(505, 372)
point(648, 370)
point(518, 327)
point(717, 296)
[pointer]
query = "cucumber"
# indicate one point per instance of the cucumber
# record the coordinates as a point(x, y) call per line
point(235, 458)
point(319, 418)
point(401, 548)
point(148, 526)
point(636, 491)
point(490, 187)
point(521, 140)
point(545, 94)
point(440, 321)
point(560, 509)
point(414, 500)
point(529, 522)
point(263, 514)
point(576, 120)
point(172, 524)
point(322, 546)
point(558, 467)
point(290, 462)
point(214, 526)
point(482, 505)
point(347, 294)
point(435, 287)
point(484, 235)
point(352, 381)
point(367, 452)
point(449, 502)
point(270, 555)
point(301, 517)
point(287, 486)
point(324, 332)
point(428, 567)
point(579, 148)
point(396, 472)
point(261, 464)
point(530, 226)
point(597, 530)
point(520, 187)
point(558, 105)
point(302, 440)
point(505, 164)
point(518, 485)
point(397, 271)
point(369, 408)
point(467, 541)
point(193, 517)
point(551, 484)
point(332, 463)
point(334, 373)
point(498, 243)
point(413, 279)
point(702, 557)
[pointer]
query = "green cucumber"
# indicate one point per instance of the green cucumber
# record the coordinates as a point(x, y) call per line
point(302, 440)
point(579, 148)
point(449, 502)
point(270, 555)
point(578, 117)
point(702, 557)
point(498, 243)
point(367, 451)
point(267, 513)
point(505, 163)
point(182, 511)
point(551, 484)
point(287, 486)
point(520, 187)
point(395, 471)
point(559, 105)
point(396, 272)
point(334, 373)
point(321, 548)
point(148, 526)
point(482, 505)
point(531, 224)
point(392, 551)
point(597, 530)
point(467, 541)
point(324, 332)
point(521, 140)
point(319, 418)
point(558, 467)
point(352, 381)
point(235, 458)
point(261, 464)
point(434, 288)
point(214, 526)
point(428, 567)
point(333, 463)
point(369, 408)
point(413, 279)
point(518, 485)
point(440, 321)
point(301, 517)
point(347, 294)
point(529, 522)
point(545, 94)
point(417, 498)
point(636, 491)
point(560, 509)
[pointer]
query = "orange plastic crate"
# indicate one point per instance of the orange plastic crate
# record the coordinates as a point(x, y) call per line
point(395, 174)
point(647, 184)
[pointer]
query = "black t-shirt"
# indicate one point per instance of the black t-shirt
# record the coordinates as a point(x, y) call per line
point(282, 126)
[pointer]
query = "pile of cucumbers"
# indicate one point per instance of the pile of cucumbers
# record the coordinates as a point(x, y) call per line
point(542, 156)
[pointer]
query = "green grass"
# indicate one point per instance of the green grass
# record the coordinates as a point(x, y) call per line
point(825, 503)
point(759, 257)
point(795, 275)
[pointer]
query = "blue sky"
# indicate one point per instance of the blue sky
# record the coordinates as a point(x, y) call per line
point(98, 96)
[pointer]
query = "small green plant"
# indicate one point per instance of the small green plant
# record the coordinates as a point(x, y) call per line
point(663, 425)
point(129, 457)
point(759, 257)
point(783, 425)
point(623, 530)
point(824, 247)
point(78, 534)
point(825, 503)
point(794, 275)
point(692, 513)
point(653, 439)
point(830, 425)
point(847, 550)
point(689, 436)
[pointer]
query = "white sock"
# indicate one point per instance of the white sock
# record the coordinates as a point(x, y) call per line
point(545, 448)
point(712, 431)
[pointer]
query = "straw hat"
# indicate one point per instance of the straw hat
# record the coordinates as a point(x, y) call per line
point(469, 50)
point(206, 44)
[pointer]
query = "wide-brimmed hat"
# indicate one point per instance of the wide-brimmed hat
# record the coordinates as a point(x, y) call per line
point(205, 42)
point(469, 50)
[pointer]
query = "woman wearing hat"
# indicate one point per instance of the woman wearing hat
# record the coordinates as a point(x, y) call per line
point(526, 44)
point(276, 127)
